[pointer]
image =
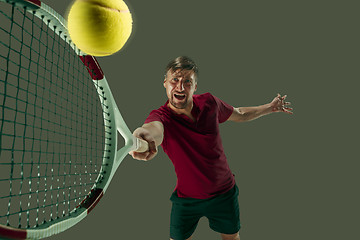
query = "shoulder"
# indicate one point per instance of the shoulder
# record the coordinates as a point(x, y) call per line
point(204, 98)
point(160, 114)
point(164, 109)
point(206, 95)
point(213, 99)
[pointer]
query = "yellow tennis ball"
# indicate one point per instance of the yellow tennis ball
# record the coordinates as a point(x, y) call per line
point(99, 27)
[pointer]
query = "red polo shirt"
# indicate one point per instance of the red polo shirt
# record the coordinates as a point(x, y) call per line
point(195, 148)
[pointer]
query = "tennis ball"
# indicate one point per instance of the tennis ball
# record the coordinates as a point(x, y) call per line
point(99, 27)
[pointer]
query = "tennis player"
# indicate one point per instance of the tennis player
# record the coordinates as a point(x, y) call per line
point(187, 128)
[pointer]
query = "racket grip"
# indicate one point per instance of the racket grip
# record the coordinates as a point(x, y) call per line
point(141, 145)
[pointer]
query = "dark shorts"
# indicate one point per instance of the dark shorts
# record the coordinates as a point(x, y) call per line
point(222, 211)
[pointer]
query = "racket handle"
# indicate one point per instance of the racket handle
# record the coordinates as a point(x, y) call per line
point(141, 145)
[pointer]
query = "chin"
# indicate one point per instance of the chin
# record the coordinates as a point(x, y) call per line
point(179, 105)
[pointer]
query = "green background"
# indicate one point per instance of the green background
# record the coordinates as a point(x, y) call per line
point(298, 174)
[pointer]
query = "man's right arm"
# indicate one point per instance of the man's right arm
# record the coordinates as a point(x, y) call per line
point(153, 133)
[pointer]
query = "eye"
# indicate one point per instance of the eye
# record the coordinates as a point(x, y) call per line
point(175, 79)
point(188, 82)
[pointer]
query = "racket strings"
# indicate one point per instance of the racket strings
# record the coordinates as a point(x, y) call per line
point(51, 123)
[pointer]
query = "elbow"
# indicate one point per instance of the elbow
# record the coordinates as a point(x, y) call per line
point(240, 116)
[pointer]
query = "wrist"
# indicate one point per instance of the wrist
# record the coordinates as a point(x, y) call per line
point(268, 108)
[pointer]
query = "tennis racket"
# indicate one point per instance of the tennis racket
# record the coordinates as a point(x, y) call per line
point(59, 125)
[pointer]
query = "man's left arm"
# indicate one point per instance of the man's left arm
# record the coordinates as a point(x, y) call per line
point(243, 114)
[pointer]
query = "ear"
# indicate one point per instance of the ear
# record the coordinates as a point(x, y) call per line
point(195, 87)
point(164, 82)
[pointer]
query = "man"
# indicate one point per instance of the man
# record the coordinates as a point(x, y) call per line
point(187, 127)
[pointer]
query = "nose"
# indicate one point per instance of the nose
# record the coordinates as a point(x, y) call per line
point(180, 86)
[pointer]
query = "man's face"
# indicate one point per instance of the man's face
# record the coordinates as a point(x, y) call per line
point(180, 87)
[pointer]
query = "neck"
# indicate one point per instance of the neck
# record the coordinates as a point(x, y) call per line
point(187, 110)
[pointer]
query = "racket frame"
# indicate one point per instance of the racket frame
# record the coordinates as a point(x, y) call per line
point(112, 156)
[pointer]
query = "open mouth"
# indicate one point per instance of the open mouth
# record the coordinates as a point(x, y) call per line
point(179, 96)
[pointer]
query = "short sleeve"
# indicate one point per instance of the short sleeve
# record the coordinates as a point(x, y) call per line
point(154, 115)
point(224, 110)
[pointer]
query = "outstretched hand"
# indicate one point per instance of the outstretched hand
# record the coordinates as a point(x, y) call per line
point(279, 104)
point(151, 153)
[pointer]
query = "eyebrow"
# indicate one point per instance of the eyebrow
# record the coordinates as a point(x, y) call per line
point(181, 75)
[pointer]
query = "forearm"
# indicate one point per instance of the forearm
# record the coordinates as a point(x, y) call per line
point(243, 114)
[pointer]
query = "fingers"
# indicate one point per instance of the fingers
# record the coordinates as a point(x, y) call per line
point(283, 109)
point(152, 147)
point(144, 156)
point(281, 98)
point(280, 104)
point(287, 110)
point(145, 135)
point(278, 100)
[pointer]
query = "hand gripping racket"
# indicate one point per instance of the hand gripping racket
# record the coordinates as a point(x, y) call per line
point(58, 123)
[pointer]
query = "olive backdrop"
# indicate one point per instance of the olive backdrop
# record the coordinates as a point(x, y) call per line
point(297, 174)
